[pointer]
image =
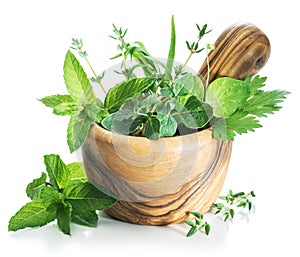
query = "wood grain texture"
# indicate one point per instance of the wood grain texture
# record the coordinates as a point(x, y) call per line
point(178, 175)
point(241, 50)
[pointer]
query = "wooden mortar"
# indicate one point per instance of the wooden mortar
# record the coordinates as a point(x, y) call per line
point(160, 182)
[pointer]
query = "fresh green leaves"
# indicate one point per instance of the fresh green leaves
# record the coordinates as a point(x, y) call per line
point(198, 225)
point(67, 197)
point(232, 202)
point(124, 91)
point(33, 214)
point(81, 105)
point(226, 95)
point(225, 210)
point(238, 104)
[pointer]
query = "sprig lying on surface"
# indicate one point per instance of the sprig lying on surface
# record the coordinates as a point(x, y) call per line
point(233, 201)
point(67, 197)
point(198, 225)
point(226, 211)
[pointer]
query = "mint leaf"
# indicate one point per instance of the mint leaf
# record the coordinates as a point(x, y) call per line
point(85, 197)
point(95, 112)
point(126, 90)
point(89, 218)
point(50, 195)
point(33, 214)
point(63, 215)
point(77, 81)
point(54, 100)
point(33, 189)
point(226, 95)
point(189, 84)
point(67, 108)
point(77, 173)
point(78, 130)
point(152, 130)
point(57, 171)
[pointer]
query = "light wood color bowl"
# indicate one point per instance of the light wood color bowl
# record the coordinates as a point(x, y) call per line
point(161, 182)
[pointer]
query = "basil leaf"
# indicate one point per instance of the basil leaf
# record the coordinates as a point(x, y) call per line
point(168, 125)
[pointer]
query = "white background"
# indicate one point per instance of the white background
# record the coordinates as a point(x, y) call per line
point(34, 37)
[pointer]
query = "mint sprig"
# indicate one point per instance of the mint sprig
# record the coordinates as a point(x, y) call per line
point(63, 194)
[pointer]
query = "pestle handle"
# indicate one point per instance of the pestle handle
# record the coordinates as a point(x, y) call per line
point(241, 50)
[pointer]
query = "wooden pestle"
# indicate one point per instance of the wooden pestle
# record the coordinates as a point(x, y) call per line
point(241, 50)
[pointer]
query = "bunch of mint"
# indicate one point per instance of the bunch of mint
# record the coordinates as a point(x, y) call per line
point(67, 197)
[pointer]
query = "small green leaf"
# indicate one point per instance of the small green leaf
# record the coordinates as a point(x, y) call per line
point(197, 214)
point(168, 125)
point(77, 81)
point(63, 215)
point(89, 218)
point(249, 206)
point(54, 100)
point(231, 212)
point(96, 113)
point(67, 108)
point(85, 197)
point(152, 130)
point(33, 214)
point(33, 189)
point(226, 95)
point(189, 222)
point(207, 229)
point(77, 173)
point(252, 194)
point(78, 130)
point(189, 84)
point(124, 91)
point(193, 113)
point(50, 195)
point(192, 231)
point(57, 171)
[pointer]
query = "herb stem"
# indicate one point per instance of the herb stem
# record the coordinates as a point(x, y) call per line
point(93, 71)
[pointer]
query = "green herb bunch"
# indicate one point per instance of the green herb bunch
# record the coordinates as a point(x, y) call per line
point(166, 101)
point(64, 194)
